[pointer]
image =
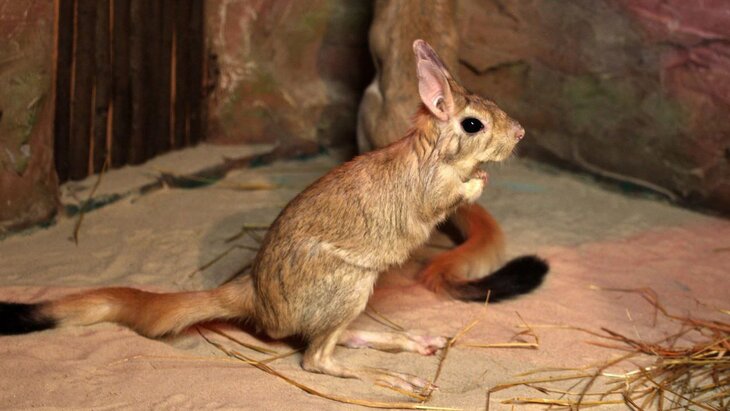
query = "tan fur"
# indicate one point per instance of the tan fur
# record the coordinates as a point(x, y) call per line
point(386, 109)
point(322, 255)
point(151, 314)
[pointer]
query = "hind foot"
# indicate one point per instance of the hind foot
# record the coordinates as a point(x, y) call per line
point(392, 342)
point(398, 381)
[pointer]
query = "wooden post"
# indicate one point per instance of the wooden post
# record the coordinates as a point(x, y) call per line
point(197, 56)
point(83, 83)
point(129, 81)
point(136, 65)
point(182, 77)
point(64, 58)
point(103, 84)
point(167, 26)
point(122, 117)
point(151, 67)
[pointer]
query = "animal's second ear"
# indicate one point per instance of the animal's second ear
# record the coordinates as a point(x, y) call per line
point(423, 51)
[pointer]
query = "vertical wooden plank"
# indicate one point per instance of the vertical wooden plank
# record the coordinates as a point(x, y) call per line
point(182, 78)
point(173, 82)
point(167, 26)
point(152, 69)
point(129, 80)
point(197, 56)
point(103, 83)
point(64, 55)
point(136, 68)
point(82, 90)
point(122, 117)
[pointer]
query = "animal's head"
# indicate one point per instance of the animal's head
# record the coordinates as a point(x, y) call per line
point(471, 129)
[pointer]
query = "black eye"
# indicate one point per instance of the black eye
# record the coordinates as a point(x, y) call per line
point(471, 125)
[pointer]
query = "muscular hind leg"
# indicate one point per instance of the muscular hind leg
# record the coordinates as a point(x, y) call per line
point(319, 358)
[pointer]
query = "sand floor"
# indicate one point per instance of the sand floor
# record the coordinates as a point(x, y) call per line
point(592, 236)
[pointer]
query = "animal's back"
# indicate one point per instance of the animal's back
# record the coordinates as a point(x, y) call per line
point(335, 237)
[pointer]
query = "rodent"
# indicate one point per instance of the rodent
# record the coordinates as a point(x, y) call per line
point(319, 261)
point(384, 116)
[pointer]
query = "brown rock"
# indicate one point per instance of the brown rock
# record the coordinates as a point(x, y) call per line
point(28, 183)
point(287, 70)
point(635, 90)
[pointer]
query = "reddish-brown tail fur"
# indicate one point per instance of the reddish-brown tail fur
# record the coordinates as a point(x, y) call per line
point(150, 314)
point(459, 272)
point(481, 252)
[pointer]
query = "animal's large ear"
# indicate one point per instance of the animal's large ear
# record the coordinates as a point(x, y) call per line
point(433, 84)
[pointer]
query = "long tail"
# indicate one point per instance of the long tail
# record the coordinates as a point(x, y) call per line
point(150, 314)
point(456, 272)
point(517, 277)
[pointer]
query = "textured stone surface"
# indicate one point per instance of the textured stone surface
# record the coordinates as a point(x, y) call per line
point(636, 90)
point(28, 184)
point(632, 88)
point(287, 70)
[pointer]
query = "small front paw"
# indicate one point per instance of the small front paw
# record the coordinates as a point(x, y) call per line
point(473, 189)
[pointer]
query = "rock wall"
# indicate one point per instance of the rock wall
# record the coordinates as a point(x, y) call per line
point(286, 71)
point(28, 184)
point(635, 90)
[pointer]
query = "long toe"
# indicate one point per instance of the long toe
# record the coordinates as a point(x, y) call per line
point(404, 382)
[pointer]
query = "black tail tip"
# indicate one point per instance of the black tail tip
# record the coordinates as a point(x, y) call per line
point(519, 276)
point(17, 318)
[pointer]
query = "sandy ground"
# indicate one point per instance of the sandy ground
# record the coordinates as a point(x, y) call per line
point(590, 234)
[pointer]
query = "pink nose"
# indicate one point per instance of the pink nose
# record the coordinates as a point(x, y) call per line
point(519, 132)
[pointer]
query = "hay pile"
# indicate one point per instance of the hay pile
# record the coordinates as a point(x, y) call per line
point(689, 369)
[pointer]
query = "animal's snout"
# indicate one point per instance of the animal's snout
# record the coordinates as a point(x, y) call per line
point(519, 132)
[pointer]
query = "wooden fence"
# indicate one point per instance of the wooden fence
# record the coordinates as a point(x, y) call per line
point(129, 81)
